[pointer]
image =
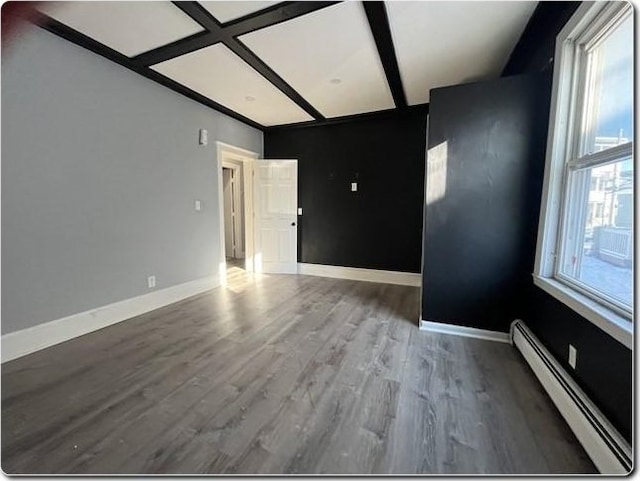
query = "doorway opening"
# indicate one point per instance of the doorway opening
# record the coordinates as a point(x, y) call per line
point(234, 237)
point(258, 220)
point(235, 194)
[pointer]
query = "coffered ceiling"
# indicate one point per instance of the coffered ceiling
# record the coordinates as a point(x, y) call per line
point(217, 73)
point(128, 27)
point(270, 63)
point(333, 63)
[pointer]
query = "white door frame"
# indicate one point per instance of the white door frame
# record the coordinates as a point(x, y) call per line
point(227, 151)
point(238, 198)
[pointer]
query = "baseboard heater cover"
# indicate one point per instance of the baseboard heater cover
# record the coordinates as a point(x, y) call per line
point(608, 450)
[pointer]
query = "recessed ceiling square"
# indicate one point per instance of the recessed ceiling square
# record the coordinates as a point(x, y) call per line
point(226, 11)
point(329, 57)
point(446, 43)
point(127, 27)
point(219, 74)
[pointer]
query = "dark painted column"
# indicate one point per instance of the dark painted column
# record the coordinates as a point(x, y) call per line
point(484, 175)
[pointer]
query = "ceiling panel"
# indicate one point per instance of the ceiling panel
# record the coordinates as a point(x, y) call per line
point(329, 57)
point(226, 11)
point(127, 27)
point(446, 43)
point(219, 74)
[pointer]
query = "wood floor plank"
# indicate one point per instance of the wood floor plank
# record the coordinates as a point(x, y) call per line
point(281, 374)
point(549, 437)
point(254, 384)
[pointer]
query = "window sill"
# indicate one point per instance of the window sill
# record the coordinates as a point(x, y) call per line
point(610, 322)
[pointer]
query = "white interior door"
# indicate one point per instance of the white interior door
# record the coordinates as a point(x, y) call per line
point(276, 222)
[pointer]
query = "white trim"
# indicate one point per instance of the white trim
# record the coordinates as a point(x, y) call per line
point(560, 387)
point(359, 274)
point(236, 150)
point(23, 342)
point(612, 154)
point(616, 326)
point(247, 158)
point(464, 331)
point(222, 265)
point(559, 120)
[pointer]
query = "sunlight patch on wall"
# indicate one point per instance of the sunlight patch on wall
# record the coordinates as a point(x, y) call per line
point(436, 173)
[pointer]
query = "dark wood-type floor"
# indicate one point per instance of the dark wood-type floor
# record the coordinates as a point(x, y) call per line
point(281, 374)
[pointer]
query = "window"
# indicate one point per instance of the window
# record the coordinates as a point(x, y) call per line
point(585, 242)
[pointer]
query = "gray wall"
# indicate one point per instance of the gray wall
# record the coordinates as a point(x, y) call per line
point(100, 170)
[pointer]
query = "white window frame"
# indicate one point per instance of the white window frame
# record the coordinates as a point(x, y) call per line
point(566, 109)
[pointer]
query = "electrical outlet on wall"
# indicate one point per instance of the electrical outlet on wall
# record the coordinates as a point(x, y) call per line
point(573, 355)
point(151, 281)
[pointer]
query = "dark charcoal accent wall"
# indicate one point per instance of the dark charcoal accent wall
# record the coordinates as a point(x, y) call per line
point(604, 367)
point(535, 49)
point(480, 236)
point(380, 225)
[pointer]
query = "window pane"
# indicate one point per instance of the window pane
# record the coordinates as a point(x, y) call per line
point(599, 234)
point(609, 102)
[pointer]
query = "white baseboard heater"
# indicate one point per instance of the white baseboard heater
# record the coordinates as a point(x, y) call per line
point(608, 450)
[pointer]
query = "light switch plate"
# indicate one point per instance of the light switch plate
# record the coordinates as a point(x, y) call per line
point(198, 205)
point(354, 186)
point(299, 210)
point(204, 138)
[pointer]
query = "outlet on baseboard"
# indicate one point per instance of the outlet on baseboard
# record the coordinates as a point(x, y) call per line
point(151, 281)
point(573, 354)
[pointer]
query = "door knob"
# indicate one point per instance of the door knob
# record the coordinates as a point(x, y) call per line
point(293, 224)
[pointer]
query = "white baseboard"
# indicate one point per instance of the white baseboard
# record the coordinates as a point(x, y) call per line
point(464, 331)
point(20, 343)
point(608, 450)
point(359, 274)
